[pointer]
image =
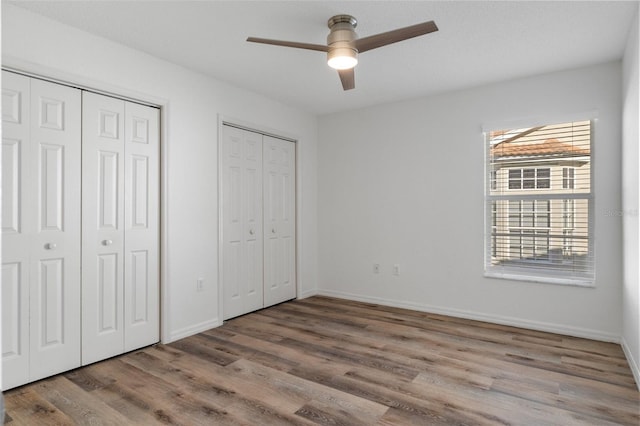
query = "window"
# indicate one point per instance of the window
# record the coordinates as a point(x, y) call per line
point(530, 178)
point(568, 174)
point(539, 204)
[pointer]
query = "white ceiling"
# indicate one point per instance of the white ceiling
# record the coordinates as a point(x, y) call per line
point(478, 42)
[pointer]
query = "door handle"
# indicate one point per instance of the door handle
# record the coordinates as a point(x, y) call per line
point(273, 230)
point(251, 231)
point(107, 242)
point(50, 246)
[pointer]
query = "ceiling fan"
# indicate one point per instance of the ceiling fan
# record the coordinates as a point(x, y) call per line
point(343, 44)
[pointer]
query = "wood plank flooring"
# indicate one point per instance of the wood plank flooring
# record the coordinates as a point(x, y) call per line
point(334, 362)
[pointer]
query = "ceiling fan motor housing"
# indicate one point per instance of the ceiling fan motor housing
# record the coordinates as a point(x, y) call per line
point(342, 36)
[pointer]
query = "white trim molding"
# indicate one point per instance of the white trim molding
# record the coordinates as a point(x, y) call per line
point(633, 364)
point(306, 294)
point(193, 329)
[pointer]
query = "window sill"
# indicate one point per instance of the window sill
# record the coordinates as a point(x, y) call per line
point(521, 276)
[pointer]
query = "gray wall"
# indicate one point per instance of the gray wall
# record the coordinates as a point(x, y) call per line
point(403, 184)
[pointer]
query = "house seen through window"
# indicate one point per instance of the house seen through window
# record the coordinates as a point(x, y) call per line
point(539, 202)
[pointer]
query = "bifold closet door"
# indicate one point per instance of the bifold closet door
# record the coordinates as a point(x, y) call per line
point(17, 227)
point(241, 198)
point(120, 227)
point(141, 226)
point(40, 229)
point(258, 221)
point(102, 227)
point(279, 183)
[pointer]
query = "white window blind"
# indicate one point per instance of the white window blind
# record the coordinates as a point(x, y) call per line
point(539, 203)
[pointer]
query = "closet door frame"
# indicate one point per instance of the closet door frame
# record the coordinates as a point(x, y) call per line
point(252, 127)
point(132, 94)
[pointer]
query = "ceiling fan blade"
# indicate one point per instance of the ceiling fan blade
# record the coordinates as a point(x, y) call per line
point(308, 46)
point(394, 36)
point(348, 78)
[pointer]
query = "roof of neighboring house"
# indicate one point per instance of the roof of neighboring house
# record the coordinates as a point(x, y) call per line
point(548, 147)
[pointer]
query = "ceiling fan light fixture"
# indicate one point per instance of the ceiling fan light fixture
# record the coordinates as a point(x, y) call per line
point(342, 58)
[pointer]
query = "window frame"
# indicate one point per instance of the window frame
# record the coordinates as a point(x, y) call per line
point(568, 223)
point(524, 274)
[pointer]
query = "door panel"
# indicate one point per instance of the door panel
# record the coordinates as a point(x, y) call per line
point(55, 247)
point(50, 295)
point(279, 221)
point(142, 224)
point(108, 282)
point(52, 192)
point(140, 287)
point(15, 324)
point(140, 188)
point(12, 320)
point(241, 198)
point(12, 179)
point(103, 227)
point(108, 190)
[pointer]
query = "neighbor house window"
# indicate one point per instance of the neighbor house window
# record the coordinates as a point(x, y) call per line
point(529, 226)
point(530, 178)
point(539, 203)
point(568, 174)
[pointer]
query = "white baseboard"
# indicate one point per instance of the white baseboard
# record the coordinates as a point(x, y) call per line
point(193, 329)
point(633, 363)
point(309, 293)
point(213, 323)
point(479, 316)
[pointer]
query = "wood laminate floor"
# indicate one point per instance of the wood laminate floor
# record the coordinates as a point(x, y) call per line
point(335, 362)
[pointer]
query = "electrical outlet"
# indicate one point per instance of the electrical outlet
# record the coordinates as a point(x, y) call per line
point(200, 284)
point(396, 269)
point(376, 268)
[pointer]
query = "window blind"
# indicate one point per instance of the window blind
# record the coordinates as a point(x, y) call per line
point(539, 203)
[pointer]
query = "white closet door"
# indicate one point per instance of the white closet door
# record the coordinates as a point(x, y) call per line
point(55, 250)
point(103, 227)
point(241, 198)
point(279, 221)
point(141, 263)
point(17, 228)
point(40, 229)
